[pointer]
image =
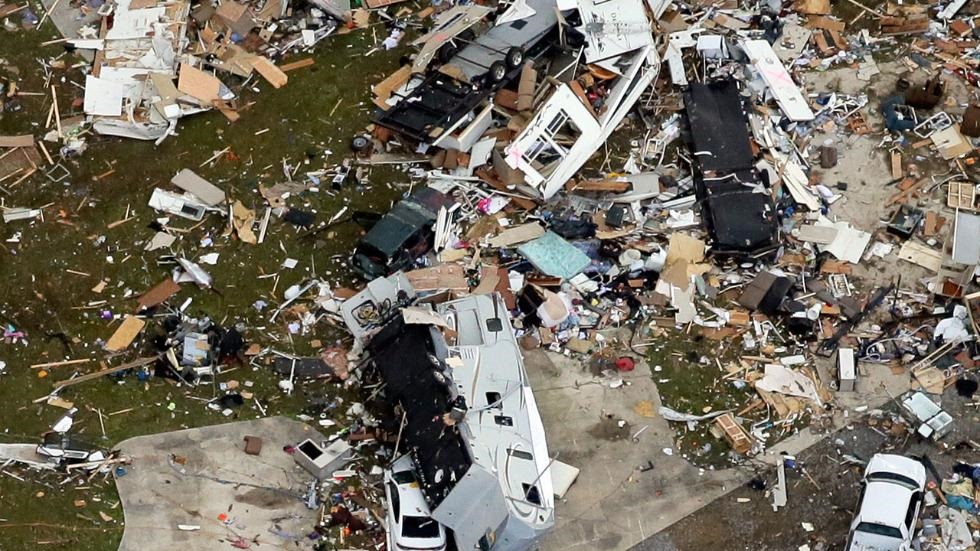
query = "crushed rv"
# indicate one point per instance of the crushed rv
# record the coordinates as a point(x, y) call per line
point(471, 424)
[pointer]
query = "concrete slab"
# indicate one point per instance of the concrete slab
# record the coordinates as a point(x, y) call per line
point(262, 495)
point(613, 505)
point(24, 454)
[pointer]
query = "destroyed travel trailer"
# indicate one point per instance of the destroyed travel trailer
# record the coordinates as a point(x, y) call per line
point(576, 69)
point(158, 61)
point(718, 292)
point(455, 382)
point(736, 204)
point(131, 92)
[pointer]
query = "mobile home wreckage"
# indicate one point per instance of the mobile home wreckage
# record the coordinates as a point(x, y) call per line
point(549, 81)
point(155, 61)
point(454, 377)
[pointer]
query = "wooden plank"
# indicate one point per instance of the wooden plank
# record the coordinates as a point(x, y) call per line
point(25, 140)
point(225, 109)
point(198, 84)
point(159, 293)
point(392, 82)
point(933, 224)
point(62, 363)
point(897, 171)
point(98, 374)
point(921, 255)
point(734, 433)
point(600, 185)
point(376, 4)
point(297, 65)
point(825, 23)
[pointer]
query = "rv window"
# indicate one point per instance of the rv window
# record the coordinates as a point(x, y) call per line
point(493, 398)
point(545, 147)
point(556, 123)
point(503, 420)
point(521, 454)
point(191, 210)
point(531, 494)
point(519, 24)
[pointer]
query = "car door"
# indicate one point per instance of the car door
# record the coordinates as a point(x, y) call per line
point(911, 515)
point(393, 516)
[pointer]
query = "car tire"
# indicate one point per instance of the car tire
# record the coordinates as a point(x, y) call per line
point(515, 57)
point(447, 52)
point(360, 144)
point(497, 73)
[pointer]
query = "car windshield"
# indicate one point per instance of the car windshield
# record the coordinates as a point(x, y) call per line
point(419, 527)
point(879, 529)
point(404, 477)
point(885, 476)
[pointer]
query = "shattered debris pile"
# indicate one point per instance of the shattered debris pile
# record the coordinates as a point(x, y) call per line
point(780, 228)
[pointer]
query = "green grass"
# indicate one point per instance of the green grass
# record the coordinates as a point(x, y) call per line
point(690, 380)
point(38, 296)
point(689, 385)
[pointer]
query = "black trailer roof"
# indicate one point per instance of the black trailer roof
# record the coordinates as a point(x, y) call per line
point(719, 135)
point(437, 101)
point(736, 207)
point(404, 356)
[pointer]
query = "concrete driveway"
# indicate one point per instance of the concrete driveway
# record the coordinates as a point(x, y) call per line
point(613, 504)
point(618, 501)
point(261, 495)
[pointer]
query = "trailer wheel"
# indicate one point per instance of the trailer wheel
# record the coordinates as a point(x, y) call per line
point(360, 144)
point(447, 51)
point(498, 72)
point(515, 57)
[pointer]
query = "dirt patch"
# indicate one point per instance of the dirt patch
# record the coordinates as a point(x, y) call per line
point(264, 498)
point(610, 428)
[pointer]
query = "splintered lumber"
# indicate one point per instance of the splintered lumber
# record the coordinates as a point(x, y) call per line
point(99, 374)
point(897, 171)
point(601, 185)
point(270, 72)
point(736, 436)
point(904, 25)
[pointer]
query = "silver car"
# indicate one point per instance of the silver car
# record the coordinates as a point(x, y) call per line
point(409, 524)
point(889, 506)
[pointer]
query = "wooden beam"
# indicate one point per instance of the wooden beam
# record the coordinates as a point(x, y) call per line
point(297, 65)
point(99, 374)
point(58, 364)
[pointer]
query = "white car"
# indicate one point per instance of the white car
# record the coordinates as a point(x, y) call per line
point(410, 526)
point(889, 506)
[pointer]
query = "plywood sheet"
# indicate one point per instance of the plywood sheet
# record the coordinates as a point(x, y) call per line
point(125, 334)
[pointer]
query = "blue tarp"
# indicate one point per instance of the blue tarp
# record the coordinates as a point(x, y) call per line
point(554, 256)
